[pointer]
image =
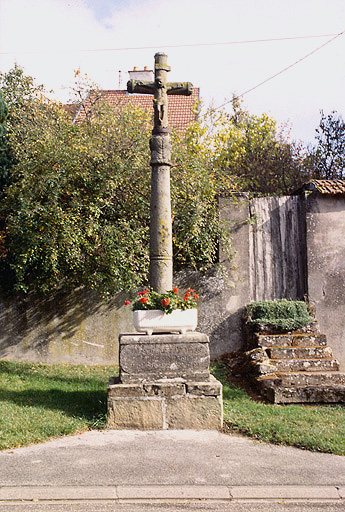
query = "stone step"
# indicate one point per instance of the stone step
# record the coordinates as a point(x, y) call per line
point(305, 365)
point(296, 368)
point(311, 378)
point(299, 352)
point(291, 340)
point(306, 394)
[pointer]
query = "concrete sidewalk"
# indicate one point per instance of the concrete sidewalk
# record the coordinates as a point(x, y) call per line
point(162, 467)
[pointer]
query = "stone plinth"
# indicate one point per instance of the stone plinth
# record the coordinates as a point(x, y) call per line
point(164, 356)
point(165, 383)
point(166, 404)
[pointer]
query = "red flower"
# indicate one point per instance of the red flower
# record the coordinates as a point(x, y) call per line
point(166, 301)
point(187, 294)
point(127, 302)
point(196, 296)
point(143, 293)
point(190, 290)
point(175, 289)
point(185, 298)
point(143, 300)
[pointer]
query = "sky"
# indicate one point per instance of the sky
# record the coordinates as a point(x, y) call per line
point(224, 47)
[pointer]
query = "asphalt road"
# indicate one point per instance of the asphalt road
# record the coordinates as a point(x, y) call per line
point(190, 507)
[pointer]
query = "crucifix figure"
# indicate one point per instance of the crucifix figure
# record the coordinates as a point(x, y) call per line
point(161, 264)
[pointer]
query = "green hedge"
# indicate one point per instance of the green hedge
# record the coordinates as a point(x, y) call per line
point(283, 315)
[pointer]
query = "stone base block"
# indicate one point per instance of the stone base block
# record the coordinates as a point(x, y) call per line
point(194, 412)
point(165, 404)
point(135, 413)
point(164, 356)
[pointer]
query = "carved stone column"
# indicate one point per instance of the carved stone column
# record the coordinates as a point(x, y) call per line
point(161, 261)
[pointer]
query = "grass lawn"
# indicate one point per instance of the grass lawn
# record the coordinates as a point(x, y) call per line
point(314, 427)
point(39, 401)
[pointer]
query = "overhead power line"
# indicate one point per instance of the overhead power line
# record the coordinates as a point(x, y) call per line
point(249, 41)
point(283, 70)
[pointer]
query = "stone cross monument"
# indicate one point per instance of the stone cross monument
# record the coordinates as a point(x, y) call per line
point(161, 265)
point(164, 380)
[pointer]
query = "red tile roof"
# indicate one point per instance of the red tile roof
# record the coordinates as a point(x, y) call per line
point(331, 187)
point(71, 109)
point(181, 109)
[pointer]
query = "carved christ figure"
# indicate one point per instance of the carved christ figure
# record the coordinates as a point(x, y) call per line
point(160, 88)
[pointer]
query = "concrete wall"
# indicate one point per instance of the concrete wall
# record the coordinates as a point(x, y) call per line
point(81, 329)
point(277, 248)
point(270, 259)
point(73, 328)
point(325, 223)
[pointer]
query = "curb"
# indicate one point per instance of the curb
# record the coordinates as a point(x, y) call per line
point(167, 493)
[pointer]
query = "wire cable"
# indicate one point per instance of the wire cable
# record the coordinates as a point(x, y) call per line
point(283, 70)
point(249, 41)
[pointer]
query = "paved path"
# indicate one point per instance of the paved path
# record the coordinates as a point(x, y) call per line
point(168, 470)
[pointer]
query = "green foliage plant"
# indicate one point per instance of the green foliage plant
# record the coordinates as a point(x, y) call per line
point(77, 210)
point(167, 301)
point(6, 156)
point(326, 159)
point(280, 315)
point(255, 151)
point(195, 186)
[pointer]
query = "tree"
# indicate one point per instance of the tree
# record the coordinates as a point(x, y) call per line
point(326, 160)
point(75, 209)
point(6, 159)
point(195, 186)
point(3, 117)
point(76, 212)
point(255, 152)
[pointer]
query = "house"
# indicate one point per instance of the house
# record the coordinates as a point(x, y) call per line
point(182, 110)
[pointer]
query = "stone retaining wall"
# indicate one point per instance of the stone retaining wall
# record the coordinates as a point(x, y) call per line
point(81, 328)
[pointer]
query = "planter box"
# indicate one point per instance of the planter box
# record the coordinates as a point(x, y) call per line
point(150, 321)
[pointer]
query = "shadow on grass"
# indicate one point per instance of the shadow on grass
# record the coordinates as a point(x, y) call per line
point(230, 391)
point(87, 405)
point(49, 373)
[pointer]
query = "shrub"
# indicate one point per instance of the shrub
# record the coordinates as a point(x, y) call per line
point(282, 315)
point(76, 210)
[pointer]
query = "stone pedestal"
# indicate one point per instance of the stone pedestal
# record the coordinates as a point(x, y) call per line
point(165, 383)
point(164, 356)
